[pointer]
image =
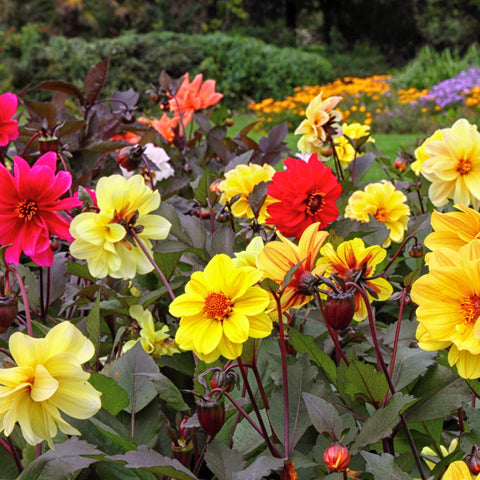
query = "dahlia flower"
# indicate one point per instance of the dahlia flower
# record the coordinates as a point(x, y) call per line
point(453, 165)
point(305, 193)
point(384, 203)
point(448, 299)
point(28, 208)
point(458, 470)
point(347, 263)
point(421, 152)
point(241, 181)
point(8, 127)
point(221, 308)
point(343, 147)
point(47, 380)
point(104, 238)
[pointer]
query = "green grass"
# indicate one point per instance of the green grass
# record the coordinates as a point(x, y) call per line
point(388, 144)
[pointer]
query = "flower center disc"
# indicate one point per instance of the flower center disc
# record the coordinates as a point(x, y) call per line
point(314, 202)
point(217, 306)
point(26, 209)
point(464, 166)
point(381, 215)
point(471, 309)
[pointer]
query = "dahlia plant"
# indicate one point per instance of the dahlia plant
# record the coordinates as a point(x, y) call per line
point(179, 303)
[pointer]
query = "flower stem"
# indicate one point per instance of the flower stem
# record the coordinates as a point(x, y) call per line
point(152, 261)
point(373, 330)
point(397, 331)
point(14, 454)
point(25, 302)
point(145, 161)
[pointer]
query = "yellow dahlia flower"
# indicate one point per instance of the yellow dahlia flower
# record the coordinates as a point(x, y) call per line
point(453, 229)
point(458, 471)
point(47, 380)
point(350, 259)
point(278, 257)
point(453, 165)
point(248, 258)
point(448, 299)
point(155, 342)
point(320, 117)
point(421, 152)
point(103, 238)
point(221, 308)
point(344, 149)
point(384, 203)
point(241, 181)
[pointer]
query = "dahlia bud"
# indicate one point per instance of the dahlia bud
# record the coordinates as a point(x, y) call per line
point(326, 150)
point(307, 283)
point(8, 312)
point(416, 250)
point(47, 144)
point(211, 415)
point(339, 309)
point(130, 158)
point(473, 461)
point(223, 380)
point(400, 164)
point(336, 457)
point(229, 122)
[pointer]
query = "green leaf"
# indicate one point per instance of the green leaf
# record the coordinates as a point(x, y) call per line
point(80, 270)
point(223, 461)
point(146, 459)
point(61, 463)
point(93, 324)
point(168, 392)
point(364, 383)
point(306, 344)
point(222, 241)
point(260, 468)
point(382, 422)
point(114, 398)
point(167, 262)
point(384, 467)
point(127, 372)
point(324, 416)
point(9, 469)
point(440, 392)
point(362, 165)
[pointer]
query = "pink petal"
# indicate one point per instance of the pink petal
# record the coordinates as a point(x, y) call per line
point(8, 106)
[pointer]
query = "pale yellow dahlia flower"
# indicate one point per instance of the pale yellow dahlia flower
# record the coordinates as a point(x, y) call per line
point(155, 342)
point(448, 299)
point(103, 238)
point(47, 380)
point(241, 181)
point(321, 117)
point(343, 147)
point(384, 203)
point(453, 165)
point(421, 152)
point(221, 308)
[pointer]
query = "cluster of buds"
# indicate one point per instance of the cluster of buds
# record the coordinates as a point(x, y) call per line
point(337, 457)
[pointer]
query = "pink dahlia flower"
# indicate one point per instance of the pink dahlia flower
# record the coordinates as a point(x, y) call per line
point(28, 208)
point(8, 127)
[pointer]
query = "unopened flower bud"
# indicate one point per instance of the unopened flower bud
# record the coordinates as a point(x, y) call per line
point(400, 164)
point(339, 309)
point(129, 158)
point(307, 283)
point(8, 312)
point(473, 461)
point(211, 415)
point(47, 144)
point(336, 458)
point(416, 250)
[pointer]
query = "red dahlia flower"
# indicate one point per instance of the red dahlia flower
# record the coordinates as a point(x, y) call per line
point(8, 127)
point(28, 208)
point(306, 194)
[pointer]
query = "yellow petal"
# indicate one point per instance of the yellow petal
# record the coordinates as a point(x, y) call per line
point(44, 385)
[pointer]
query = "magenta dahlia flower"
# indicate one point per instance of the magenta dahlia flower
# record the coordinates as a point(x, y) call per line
point(8, 127)
point(28, 208)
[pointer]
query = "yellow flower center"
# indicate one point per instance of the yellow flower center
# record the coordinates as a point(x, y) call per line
point(217, 305)
point(464, 166)
point(314, 202)
point(471, 309)
point(381, 215)
point(26, 209)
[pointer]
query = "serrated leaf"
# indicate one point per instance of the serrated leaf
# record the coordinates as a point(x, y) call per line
point(147, 459)
point(306, 344)
point(168, 392)
point(80, 270)
point(95, 80)
point(242, 159)
point(364, 383)
point(257, 196)
point(362, 165)
point(42, 111)
point(61, 86)
point(223, 461)
point(382, 422)
point(127, 372)
point(114, 398)
point(260, 468)
point(440, 392)
point(93, 324)
point(222, 241)
point(289, 275)
point(324, 416)
point(383, 467)
point(60, 463)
